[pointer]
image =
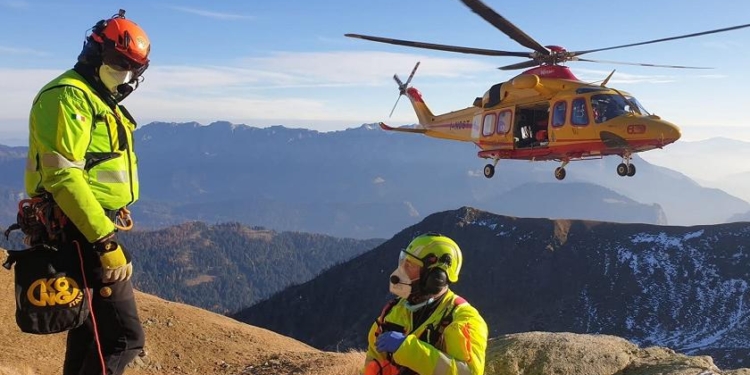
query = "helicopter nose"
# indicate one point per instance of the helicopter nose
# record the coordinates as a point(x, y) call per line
point(670, 133)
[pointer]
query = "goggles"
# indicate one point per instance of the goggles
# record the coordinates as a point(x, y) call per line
point(403, 255)
point(117, 60)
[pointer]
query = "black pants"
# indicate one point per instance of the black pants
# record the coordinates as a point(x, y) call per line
point(118, 328)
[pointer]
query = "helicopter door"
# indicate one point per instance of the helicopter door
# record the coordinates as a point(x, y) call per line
point(531, 125)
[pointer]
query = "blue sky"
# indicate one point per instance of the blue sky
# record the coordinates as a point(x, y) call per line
point(287, 61)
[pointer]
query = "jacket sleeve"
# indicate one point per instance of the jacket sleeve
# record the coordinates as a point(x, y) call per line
point(62, 133)
point(465, 346)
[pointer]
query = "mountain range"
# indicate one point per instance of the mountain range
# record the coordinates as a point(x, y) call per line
point(367, 183)
point(226, 267)
point(715, 162)
point(681, 287)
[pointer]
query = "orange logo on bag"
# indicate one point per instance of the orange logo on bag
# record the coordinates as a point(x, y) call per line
point(54, 291)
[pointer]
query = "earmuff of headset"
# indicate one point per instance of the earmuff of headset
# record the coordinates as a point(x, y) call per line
point(91, 54)
point(98, 36)
point(93, 45)
point(435, 278)
point(99, 27)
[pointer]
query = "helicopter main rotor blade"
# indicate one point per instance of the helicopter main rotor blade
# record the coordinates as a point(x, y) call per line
point(505, 26)
point(440, 47)
point(639, 64)
point(521, 65)
point(577, 53)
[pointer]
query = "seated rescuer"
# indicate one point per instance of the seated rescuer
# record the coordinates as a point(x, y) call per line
point(81, 156)
point(428, 329)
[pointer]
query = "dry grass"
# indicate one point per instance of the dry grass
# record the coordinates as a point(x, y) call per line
point(11, 370)
point(180, 340)
point(350, 363)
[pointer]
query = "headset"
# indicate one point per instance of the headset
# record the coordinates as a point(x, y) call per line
point(95, 48)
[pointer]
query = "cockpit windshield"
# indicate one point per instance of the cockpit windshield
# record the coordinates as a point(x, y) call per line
point(638, 104)
point(609, 106)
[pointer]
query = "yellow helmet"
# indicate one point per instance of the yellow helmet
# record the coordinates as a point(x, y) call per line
point(435, 251)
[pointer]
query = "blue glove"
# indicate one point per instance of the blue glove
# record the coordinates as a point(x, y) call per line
point(389, 341)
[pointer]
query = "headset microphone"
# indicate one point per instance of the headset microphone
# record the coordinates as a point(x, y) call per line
point(396, 280)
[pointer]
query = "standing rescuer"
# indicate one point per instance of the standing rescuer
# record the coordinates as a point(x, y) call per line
point(81, 158)
point(428, 329)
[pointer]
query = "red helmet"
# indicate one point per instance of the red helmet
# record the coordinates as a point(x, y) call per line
point(123, 43)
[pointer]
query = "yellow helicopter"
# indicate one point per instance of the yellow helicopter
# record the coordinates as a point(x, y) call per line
point(544, 113)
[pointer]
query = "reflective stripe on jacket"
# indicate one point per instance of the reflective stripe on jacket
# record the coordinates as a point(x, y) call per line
point(81, 151)
point(460, 351)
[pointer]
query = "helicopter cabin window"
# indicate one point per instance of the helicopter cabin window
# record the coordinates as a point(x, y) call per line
point(504, 119)
point(488, 127)
point(558, 113)
point(579, 113)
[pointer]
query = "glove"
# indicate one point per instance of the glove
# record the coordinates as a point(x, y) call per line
point(389, 341)
point(115, 260)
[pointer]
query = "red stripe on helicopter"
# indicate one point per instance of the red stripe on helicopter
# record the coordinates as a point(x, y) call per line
point(570, 151)
point(574, 140)
point(490, 143)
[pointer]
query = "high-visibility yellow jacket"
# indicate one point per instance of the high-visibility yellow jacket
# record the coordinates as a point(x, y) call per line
point(460, 350)
point(81, 151)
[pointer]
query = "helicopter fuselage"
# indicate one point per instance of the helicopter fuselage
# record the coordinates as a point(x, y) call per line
point(543, 117)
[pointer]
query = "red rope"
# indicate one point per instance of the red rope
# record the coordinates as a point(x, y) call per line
point(90, 299)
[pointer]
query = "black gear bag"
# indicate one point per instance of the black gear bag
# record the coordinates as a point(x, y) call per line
point(50, 292)
point(49, 282)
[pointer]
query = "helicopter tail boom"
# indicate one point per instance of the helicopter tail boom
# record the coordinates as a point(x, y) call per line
point(384, 126)
point(425, 116)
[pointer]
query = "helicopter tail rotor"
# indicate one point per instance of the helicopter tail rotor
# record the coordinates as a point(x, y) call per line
point(402, 86)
